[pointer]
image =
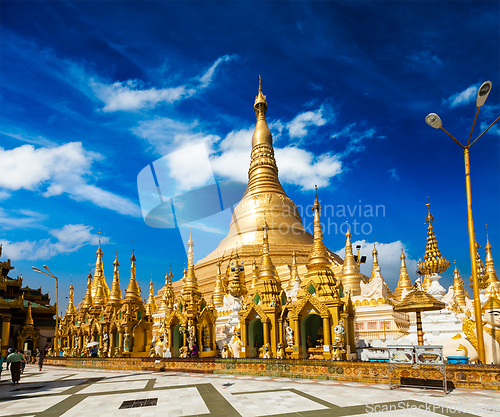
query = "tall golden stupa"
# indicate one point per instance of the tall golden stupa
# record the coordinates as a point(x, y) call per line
point(264, 201)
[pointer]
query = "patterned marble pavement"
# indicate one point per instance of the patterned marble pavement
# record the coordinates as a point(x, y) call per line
point(72, 392)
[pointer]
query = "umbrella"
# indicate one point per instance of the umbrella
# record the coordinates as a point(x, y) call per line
point(417, 301)
point(92, 344)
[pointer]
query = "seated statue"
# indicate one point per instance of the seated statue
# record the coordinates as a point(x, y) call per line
point(458, 346)
point(281, 352)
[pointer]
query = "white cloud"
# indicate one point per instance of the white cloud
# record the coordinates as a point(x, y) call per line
point(297, 128)
point(388, 259)
point(4, 195)
point(167, 135)
point(465, 97)
point(132, 95)
point(128, 95)
point(229, 157)
point(22, 219)
point(70, 238)
point(300, 167)
point(206, 78)
point(61, 169)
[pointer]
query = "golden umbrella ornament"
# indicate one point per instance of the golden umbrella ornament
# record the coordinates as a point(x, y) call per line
point(417, 301)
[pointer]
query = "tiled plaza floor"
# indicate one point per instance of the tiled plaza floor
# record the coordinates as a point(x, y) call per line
point(87, 392)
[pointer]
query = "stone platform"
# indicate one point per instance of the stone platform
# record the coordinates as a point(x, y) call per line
point(458, 376)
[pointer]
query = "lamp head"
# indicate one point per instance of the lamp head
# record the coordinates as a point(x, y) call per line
point(36, 269)
point(46, 267)
point(482, 93)
point(433, 120)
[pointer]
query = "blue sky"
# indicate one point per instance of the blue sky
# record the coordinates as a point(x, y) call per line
point(93, 92)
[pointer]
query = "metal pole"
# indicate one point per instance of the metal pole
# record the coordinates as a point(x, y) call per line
point(56, 337)
point(472, 247)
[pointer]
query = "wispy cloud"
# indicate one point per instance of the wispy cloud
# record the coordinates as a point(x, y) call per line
point(134, 95)
point(394, 174)
point(58, 170)
point(465, 97)
point(68, 239)
point(206, 78)
point(418, 59)
point(35, 140)
point(356, 138)
point(21, 219)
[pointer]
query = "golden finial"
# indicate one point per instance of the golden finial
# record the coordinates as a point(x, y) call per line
point(434, 262)
point(260, 105)
point(429, 219)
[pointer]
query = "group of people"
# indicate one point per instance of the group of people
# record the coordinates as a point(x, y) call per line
point(17, 362)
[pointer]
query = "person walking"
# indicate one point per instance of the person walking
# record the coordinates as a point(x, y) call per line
point(15, 359)
point(40, 356)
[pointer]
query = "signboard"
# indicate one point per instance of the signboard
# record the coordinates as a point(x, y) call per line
point(400, 354)
point(429, 355)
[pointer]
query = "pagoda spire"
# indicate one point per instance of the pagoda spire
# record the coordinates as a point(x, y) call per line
point(99, 299)
point(263, 172)
point(235, 287)
point(133, 292)
point(255, 273)
point(318, 255)
point(458, 287)
point(71, 310)
point(167, 300)
point(351, 274)
point(434, 263)
point(218, 294)
point(190, 281)
point(267, 269)
point(29, 318)
point(319, 273)
point(294, 277)
point(375, 262)
point(151, 306)
point(404, 282)
point(490, 266)
point(87, 300)
point(115, 295)
point(99, 274)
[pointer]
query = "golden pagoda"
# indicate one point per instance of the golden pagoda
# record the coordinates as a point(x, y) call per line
point(312, 317)
point(99, 278)
point(263, 200)
point(151, 306)
point(482, 276)
point(351, 275)
point(458, 288)
point(404, 282)
point(115, 295)
point(375, 264)
point(434, 263)
point(493, 282)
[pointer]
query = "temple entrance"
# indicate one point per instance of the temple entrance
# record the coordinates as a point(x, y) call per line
point(311, 331)
point(28, 345)
point(255, 333)
point(176, 341)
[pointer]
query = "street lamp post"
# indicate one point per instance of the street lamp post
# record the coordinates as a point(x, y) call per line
point(434, 121)
point(51, 274)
